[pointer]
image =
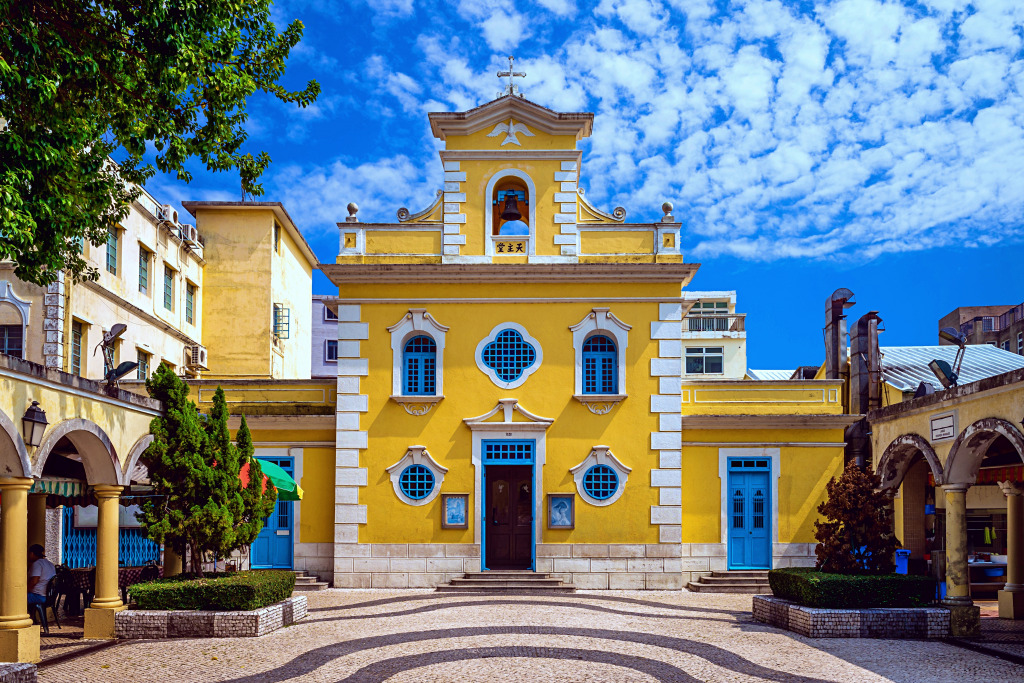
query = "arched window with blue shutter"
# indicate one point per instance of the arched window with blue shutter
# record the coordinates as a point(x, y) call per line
point(600, 366)
point(419, 366)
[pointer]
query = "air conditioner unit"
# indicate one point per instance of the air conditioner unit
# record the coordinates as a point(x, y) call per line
point(167, 213)
point(189, 235)
point(195, 357)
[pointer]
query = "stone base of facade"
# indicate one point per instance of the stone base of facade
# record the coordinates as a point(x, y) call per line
point(612, 566)
point(813, 622)
point(17, 673)
point(700, 559)
point(1011, 604)
point(206, 624)
point(19, 644)
point(315, 558)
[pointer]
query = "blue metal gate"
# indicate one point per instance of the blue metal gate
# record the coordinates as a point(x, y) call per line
point(79, 545)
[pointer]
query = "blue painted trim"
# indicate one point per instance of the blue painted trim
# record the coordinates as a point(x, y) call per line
point(604, 380)
point(485, 461)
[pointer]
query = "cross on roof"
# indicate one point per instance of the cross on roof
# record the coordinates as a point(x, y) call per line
point(511, 88)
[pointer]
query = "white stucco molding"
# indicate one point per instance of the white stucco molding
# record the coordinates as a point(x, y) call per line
point(8, 466)
point(601, 321)
point(417, 455)
point(489, 214)
point(600, 455)
point(24, 306)
point(491, 374)
point(417, 321)
point(532, 427)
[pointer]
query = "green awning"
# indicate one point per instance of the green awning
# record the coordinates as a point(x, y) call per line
point(57, 486)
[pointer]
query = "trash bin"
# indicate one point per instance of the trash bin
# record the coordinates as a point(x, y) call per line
point(902, 558)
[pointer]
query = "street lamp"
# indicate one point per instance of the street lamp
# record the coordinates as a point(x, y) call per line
point(33, 424)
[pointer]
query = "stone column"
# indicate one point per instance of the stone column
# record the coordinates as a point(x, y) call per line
point(37, 519)
point(965, 617)
point(99, 617)
point(1011, 598)
point(19, 637)
point(172, 562)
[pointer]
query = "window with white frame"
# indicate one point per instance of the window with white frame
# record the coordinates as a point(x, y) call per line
point(705, 360)
point(329, 315)
point(417, 477)
point(601, 477)
point(1006, 345)
point(331, 351)
point(417, 346)
point(508, 355)
point(600, 341)
point(988, 324)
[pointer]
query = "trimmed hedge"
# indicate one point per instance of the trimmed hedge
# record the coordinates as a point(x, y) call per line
point(221, 592)
point(811, 588)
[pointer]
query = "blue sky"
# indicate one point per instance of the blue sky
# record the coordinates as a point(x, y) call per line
point(806, 146)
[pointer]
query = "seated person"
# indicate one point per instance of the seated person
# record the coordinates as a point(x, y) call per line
point(40, 573)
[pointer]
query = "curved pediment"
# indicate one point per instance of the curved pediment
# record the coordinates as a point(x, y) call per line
point(446, 124)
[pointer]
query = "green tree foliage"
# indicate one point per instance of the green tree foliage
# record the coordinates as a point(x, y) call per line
point(201, 505)
point(858, 536)
point(80, 81)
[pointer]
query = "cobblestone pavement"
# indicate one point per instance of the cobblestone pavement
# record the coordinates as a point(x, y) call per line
point(590, 636)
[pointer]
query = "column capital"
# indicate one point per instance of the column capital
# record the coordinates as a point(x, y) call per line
point(1011, 488)
point(955, 488)
point(107, 490)
point(16, 483)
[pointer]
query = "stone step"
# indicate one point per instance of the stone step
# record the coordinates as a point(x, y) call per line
point(508, 573)
point(508, 582)
point(305, 587)
point(747, 588)
point(305, 579)
point(724, 580)
point(498, 588)
point(759, 573)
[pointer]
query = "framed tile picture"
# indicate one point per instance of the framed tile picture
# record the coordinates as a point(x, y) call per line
point(454, 510)
point(561, 510)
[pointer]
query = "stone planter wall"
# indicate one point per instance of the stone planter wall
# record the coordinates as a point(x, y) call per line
point(137, 623)
point(17, 673)
point(881, 622)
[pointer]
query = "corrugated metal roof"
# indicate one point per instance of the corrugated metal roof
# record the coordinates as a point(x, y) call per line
point(905, 367)
point(770, 374)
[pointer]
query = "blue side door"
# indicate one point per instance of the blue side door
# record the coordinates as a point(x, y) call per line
point(273, 547)
point(749, 507)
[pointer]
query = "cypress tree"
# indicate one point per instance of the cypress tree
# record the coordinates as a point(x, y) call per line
point(200, 504)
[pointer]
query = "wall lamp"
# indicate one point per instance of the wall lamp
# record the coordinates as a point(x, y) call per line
point(33, 424)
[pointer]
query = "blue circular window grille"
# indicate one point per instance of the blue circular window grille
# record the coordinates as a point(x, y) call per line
point(600, 482)
point(509, 355)
point(416, 482)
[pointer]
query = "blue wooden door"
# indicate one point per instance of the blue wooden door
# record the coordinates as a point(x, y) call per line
point(749, 518)
point(273, 547)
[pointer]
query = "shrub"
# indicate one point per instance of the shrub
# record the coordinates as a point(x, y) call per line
point(812, 588)
point(221, 592)
point(857, 538)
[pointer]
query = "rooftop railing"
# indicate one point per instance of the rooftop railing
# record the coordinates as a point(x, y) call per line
point(716, 323)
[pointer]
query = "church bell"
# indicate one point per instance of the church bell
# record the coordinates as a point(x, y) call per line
point(511, 210)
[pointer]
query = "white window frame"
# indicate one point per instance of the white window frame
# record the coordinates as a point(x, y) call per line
point(988, 324)
point(327, 355)
point(416, 322)
point(491, 374)
point(704, 355)
point(23, 306)
point(417, 455)
point(600, 321)
point(328, 313)
point(600, 455)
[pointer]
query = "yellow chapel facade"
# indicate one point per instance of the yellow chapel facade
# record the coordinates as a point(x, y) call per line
point(524, 382)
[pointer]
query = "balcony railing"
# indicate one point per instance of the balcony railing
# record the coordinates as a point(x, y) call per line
point(1011, 316)
point(716, 323)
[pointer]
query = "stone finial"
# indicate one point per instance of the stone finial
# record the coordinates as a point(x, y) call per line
point(668, 217)
point(353, 209)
